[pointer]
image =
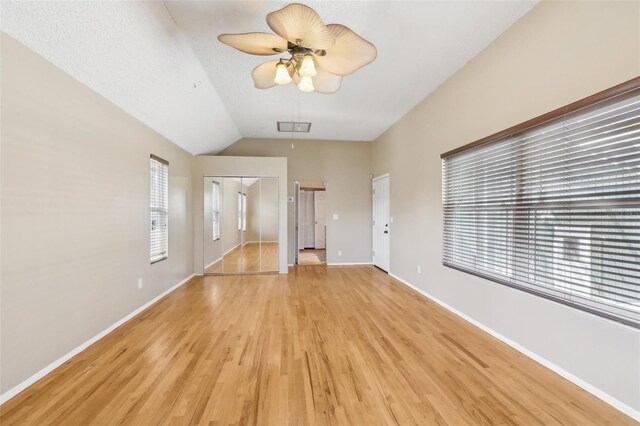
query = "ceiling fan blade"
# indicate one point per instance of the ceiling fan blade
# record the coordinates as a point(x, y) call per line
point(350, 53)
point(264, 74)
point(255, 43)
point(299, 22)
point(323, 82)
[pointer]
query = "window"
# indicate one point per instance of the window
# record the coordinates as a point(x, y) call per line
point(554, 208)
point(215, 201)
point(159, 209)
point(242, 211)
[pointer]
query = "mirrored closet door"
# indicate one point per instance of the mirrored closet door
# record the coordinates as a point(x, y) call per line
point(241, 224)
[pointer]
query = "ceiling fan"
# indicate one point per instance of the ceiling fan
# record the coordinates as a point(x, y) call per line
point(320, 54)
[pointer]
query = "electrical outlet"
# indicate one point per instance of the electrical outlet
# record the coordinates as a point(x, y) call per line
point(419, 269)
point(140, 283)
point(339, 252)
point(336, 216)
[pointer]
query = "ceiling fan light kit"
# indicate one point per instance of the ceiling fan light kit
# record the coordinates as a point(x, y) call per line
point(320, 55)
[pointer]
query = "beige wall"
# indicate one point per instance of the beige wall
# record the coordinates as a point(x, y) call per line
point(556, 54)
point(75, 214)
point(237, 166)
point(345, 166)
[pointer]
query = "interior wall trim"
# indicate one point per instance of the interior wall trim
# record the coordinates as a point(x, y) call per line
point(615, 403)
point(348, 263)
point(57, 363)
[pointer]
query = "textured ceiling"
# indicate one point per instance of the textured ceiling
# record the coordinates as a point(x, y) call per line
point(133, 54)
point(420, 45)
point(162, 63)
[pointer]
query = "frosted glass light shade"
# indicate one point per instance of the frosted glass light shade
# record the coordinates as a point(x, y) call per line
point(282, 74)
point(307, 68)
point(306, 84)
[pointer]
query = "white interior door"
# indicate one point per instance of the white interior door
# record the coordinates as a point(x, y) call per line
point(320, 219)
point(381, 222)
point(307, 226)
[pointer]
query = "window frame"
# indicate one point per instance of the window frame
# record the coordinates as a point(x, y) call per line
point(570, 249)
point(156, 162)
point(242, 211)
point(216, 210)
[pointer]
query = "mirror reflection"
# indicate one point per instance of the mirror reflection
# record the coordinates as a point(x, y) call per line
point(240, 225)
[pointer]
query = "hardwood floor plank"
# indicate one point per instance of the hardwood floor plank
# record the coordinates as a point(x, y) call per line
point(319, 346)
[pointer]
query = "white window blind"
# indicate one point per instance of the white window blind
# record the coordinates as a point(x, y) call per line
point(159, 209)
point(554, 210)
point(216, 203)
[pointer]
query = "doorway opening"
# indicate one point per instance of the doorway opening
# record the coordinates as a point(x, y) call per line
point(311, 223)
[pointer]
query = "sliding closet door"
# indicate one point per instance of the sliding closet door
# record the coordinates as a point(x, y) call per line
point(234, 197)
point(251, 223)
point(213, 227)
point(241, 225)
point(269, 229)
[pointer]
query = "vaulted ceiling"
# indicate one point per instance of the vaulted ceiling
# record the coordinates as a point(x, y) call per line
point(162, 62)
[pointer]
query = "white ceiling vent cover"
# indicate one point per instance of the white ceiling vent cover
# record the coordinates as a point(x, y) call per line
point(294, 126)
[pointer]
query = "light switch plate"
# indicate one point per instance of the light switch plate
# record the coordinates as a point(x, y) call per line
point(336, 216)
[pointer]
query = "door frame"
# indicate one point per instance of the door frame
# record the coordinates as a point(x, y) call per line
point(296, 208)
point(296, 222)
point(373, 212)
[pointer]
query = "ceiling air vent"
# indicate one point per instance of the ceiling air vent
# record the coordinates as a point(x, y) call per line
point(294, 126)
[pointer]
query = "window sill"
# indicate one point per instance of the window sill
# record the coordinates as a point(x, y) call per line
point(159, 260)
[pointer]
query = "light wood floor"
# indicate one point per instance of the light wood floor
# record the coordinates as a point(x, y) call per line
point(250, 257)
point(323, 345)
point(312, 257)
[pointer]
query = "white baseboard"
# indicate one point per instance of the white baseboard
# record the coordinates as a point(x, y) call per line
point(615, 403)
point(231, 249)
point(215, 261)
point(57, 363)
point(349, 263)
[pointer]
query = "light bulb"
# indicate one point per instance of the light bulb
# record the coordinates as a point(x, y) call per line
point(306, 84)
point(307, 68)
point(282, 74)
